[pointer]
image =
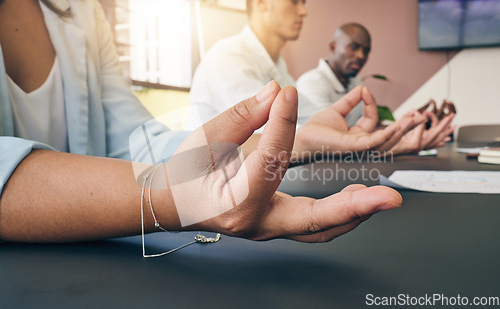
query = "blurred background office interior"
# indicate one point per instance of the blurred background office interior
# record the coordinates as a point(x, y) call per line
point(162, 41)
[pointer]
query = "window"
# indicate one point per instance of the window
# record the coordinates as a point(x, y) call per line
point(159, 40)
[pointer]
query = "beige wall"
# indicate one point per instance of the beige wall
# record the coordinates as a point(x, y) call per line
point(473, 87)
point(218, 23)
point(393, 27)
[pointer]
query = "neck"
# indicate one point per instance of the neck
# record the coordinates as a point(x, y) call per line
point(344, 80)
point(271, 42)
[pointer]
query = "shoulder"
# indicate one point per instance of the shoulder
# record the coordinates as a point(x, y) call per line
point(229, 55)
point(313, 76)
point(309, 76)
point(232, 47)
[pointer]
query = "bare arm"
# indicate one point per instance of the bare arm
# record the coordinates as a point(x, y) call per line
point(58, 197)
point(54, 196)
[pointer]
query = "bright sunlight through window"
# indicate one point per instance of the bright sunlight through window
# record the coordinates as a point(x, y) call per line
point(160, 39)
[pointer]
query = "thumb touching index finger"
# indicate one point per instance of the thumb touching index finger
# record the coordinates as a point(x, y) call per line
point(370, 112)
point(267, 165)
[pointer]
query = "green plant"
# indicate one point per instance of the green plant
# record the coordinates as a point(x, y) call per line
point(376, 76)
point(384, 113)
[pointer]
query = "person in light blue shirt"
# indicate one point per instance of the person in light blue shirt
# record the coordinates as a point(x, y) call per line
point(59, 55)
point(100, 110)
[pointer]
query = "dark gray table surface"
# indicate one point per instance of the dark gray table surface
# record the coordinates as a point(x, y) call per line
point(444, 244)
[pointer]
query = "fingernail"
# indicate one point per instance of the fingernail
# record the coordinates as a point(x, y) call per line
point(388, 206)
point(291, 94)
point(265, 92)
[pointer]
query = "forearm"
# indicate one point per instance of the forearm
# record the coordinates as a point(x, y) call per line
point(56, 197)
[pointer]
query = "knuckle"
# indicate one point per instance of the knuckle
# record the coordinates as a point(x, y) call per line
point(275, 163)
point(237, 225)
point(289, 120)
point(232, 225)
point(313, 228)
point(239, 113)
point(311, 224)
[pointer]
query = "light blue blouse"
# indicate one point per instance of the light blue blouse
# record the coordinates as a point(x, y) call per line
point(101, 110)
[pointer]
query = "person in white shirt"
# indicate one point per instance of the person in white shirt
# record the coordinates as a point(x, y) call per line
point(232, 70)
point(337, 75)
point(89, 189)
point(237, 66)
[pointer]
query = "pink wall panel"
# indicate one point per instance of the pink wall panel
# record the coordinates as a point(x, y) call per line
point(393, 27)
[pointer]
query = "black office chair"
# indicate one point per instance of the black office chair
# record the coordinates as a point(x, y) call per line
point(479, 135)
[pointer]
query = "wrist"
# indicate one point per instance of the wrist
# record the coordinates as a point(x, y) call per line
point(158, 204)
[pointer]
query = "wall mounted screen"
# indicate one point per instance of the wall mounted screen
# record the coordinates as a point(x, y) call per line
point(455, 24)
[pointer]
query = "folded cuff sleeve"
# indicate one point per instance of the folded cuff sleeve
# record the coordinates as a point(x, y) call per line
point(12, 151)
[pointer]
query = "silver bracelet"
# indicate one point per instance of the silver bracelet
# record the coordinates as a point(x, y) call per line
point(197, 239)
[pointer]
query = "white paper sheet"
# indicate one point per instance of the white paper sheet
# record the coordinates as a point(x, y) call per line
point(469, 150)
point(445, 181)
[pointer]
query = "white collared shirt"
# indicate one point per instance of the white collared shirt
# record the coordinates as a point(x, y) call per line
point(322, 87)
point(234, 69)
